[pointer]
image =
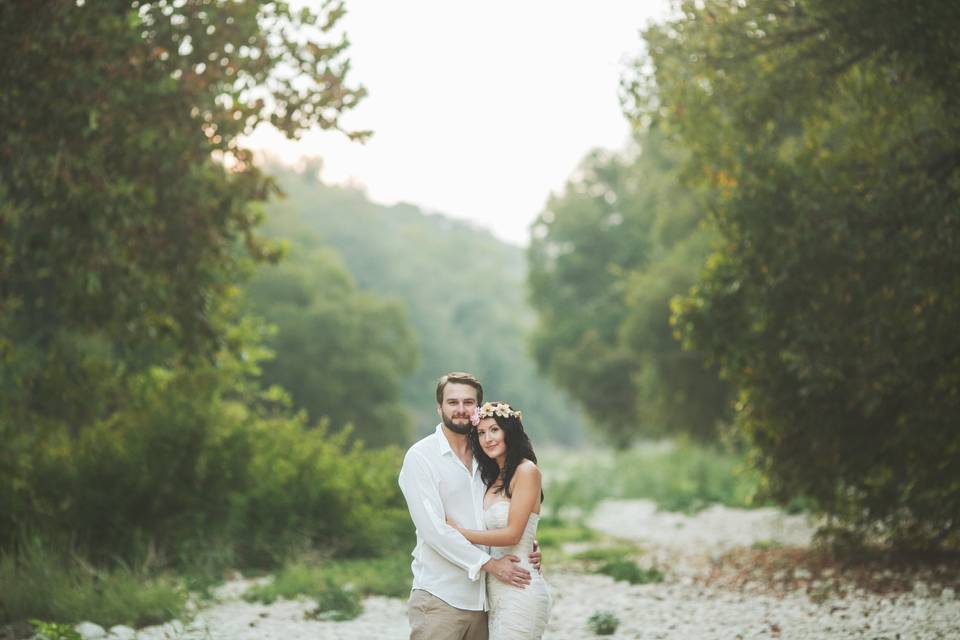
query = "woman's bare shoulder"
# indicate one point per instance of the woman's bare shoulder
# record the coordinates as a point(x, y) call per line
point(528, 469)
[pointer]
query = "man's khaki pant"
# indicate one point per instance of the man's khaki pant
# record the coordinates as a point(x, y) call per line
point(433, 619)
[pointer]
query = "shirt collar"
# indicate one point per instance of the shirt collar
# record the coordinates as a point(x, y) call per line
point(443, 446)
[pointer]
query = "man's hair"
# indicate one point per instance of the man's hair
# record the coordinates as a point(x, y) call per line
point(459, 377)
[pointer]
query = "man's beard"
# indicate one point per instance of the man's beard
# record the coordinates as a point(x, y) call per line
point(456, 428)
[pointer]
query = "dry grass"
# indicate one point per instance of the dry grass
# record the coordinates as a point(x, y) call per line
point(777, 571)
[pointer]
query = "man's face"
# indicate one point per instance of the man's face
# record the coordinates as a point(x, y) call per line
point(459, 401)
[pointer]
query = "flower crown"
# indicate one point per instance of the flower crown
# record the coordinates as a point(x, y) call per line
point(489, 409)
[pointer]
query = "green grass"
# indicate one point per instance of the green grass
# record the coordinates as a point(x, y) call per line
point(54, 631)
point(678, 476)
point(764, 545)
point(551, 534)
point(338, 585)
point(40, 583)
point(334, 601)
point(387, 576)
point(628, 571)
point(607, 554)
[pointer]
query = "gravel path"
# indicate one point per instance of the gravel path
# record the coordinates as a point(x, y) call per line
point(685, 606)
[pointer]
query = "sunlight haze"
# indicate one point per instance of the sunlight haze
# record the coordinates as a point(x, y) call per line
point(479, 111)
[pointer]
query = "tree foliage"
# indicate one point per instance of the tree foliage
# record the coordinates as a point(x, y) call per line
point(827, 134)
point(342, 353)
point(461, 289)
point(121, 231)
point(605, 259)
point(131, 418)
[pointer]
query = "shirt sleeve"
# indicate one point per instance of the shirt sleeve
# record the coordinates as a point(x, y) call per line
point(422, 494)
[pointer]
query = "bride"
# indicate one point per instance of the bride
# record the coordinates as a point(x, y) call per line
point(511, 510)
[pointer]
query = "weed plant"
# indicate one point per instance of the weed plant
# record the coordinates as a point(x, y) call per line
point(628, 571)
point(337, 585)
point(38, 582)
point(603, 623)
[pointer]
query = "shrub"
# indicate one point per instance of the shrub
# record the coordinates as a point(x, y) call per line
point(54, 631)
point(603, 623)
point(336, 602)
point(551, 535)
point(627, 570)
point(606, 554)
point(387, 576)
point(39, 582)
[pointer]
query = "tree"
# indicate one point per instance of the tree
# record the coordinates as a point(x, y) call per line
point(125, 227)
point(605, 259)
point(124, 188)
point(340, 352)
point(827, 134)
point(461, 289)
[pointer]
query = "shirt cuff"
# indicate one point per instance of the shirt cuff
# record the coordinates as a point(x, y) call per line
point(473, 571)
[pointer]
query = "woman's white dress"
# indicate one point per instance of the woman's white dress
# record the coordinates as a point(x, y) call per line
point(516, 614)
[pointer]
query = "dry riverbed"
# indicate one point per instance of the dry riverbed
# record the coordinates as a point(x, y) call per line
point(729, 574)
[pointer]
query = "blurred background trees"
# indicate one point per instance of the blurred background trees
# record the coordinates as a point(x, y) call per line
point(606, 256)
point(461, 290)
point(341, 352)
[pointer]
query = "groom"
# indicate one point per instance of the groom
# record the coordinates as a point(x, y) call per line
point(441, 478)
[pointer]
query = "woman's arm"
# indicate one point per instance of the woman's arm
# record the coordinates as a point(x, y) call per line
point(525, 493)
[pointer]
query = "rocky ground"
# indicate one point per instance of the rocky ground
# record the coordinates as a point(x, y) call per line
point(729, 574)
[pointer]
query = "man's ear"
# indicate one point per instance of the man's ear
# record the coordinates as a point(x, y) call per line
point(439, 411)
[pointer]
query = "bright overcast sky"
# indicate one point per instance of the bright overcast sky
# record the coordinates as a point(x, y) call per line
point(479, 109)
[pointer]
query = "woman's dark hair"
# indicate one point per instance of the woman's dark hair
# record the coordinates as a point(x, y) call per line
point(518, 449)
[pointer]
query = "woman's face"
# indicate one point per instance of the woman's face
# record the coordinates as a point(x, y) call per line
point(490, 436)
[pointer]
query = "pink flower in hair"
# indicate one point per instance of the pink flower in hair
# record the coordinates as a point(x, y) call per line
point(475, 416)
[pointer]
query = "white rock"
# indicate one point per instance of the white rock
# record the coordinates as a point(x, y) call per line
point(90, 631)
point(198, 624)
point(173, 629)
point(920, 589)
point(120, 632)
point(948, 594)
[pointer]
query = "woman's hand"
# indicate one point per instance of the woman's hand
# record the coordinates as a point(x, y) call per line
point(453, 524)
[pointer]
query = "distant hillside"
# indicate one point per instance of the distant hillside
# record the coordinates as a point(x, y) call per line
point(463, 291)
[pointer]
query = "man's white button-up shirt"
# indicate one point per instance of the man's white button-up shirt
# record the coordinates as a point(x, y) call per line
point(437, 484)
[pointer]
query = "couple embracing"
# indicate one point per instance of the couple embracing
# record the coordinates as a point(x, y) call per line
point(473, 491)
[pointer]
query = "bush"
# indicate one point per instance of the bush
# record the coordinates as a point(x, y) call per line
point(54, 631)
point(386, 576)
point(337, 585)
point(337, 603)
point(552, 533)
point(603, 623)
point(628, 571)
point(183, 470)
point(39, 582)
point(606, 554)
point(184, 476)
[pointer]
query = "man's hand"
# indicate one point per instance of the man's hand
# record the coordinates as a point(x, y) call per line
point(536, 556)
point(507, 570)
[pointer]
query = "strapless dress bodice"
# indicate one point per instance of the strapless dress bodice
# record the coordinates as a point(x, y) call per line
point(495, 517)
point(516, 614)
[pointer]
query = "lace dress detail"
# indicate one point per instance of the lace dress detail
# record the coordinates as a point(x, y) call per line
point(516, 614)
